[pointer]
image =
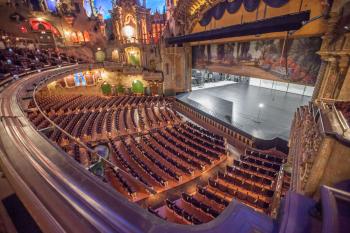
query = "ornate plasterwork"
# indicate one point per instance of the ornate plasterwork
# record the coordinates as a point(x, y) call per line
point(335, 52)
point(190, 11)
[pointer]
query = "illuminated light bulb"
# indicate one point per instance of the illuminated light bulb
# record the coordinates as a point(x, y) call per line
point(128, 31)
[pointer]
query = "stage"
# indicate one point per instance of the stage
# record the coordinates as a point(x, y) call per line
point(261, 112)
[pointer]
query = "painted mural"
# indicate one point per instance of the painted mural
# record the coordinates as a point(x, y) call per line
point(292, 60)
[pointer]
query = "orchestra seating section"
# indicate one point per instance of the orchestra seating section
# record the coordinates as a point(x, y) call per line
point(16, 61)
point(151, 142)
point(147, 139)
point(251, 180)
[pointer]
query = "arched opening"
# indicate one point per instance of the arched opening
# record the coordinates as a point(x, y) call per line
point(133, 55)
point(38, 24)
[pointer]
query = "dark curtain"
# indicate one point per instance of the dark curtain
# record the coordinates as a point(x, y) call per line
point(251, 5)
point(275, 24)
point(206, 18)
point(276, 3)
point(233, 7)
point(219, 10)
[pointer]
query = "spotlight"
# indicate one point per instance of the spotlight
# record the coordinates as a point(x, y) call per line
point(261, 105)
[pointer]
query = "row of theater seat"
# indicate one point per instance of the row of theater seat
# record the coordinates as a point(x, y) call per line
point(166, 154)
point(169, 158)
point(15, 61)
point(119, 159)
point(73, 103)
point(158, 163)
point(95, 120)
point(209, 143)
point(204, 131)
point(183, 213)
point(160, 160)
point(194, 144)
point(153, 173)
point(252, 187)
point(172, 147)
point(152, 163)
point(81, 155)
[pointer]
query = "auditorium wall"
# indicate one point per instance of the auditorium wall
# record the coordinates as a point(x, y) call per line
point(284, 60)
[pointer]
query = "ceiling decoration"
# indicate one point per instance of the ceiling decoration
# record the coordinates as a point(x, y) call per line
point(188, 8)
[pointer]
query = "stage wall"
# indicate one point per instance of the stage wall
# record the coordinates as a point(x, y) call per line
point(292, 60)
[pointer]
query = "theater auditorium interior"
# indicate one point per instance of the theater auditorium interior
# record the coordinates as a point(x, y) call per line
point(171, 116)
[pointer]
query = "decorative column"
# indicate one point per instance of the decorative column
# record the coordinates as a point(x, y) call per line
point(344, 89)
point(343, 67)
point(334, 52)
point(329, 79)
point(188, 67)
point(323, 75)
point(319, 81)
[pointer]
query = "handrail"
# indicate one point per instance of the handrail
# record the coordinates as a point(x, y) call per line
point(11, 78)
point(338, 193)
point(339, 115)
point(330, 223)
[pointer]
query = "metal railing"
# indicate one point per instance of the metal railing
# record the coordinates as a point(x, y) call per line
point(331, 222)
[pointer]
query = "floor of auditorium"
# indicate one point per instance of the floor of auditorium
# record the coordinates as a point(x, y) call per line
point(275, 116)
